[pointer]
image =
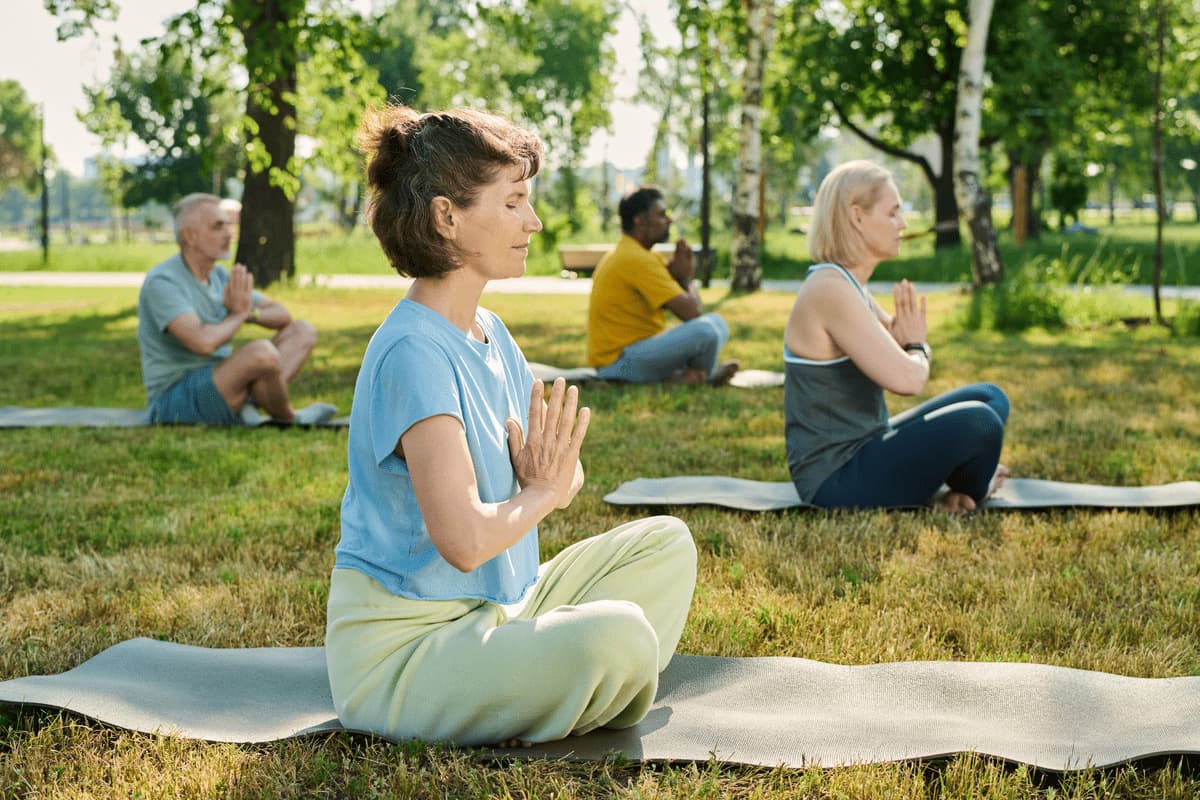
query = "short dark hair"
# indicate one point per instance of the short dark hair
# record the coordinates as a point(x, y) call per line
point(413, 158)
point(637, 203)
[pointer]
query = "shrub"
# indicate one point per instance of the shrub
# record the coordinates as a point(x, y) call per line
point(1187, 320)
point(1055, 293)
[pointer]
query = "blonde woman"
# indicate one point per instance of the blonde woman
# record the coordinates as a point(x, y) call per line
point(842, 351)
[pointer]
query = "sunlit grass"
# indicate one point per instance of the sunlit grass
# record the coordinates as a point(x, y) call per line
point(225, 538)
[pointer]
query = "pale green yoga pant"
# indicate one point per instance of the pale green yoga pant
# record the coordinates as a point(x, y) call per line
point(581, 651)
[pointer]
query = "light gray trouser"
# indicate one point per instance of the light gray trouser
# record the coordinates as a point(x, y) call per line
point(694, 344)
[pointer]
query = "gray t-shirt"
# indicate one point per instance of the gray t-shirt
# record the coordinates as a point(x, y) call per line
point(170, 290)
point(831, 409)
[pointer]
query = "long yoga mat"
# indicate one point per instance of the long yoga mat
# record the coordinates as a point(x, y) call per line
point(743, 379)
point(1016, 493)
point(89, 417)
point(760, 711)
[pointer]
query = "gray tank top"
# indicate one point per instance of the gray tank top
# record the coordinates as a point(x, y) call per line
point(831, 409)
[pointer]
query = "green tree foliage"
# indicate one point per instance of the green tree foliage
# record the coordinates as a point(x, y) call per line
point(179, 113)
point(1068, 187)
point(791, 147)
point(1181, 109)
point(1181, 148)
point(562, 84)
point(712, 33)
point(404, 31)
point(337, 85)
point(267, 41)
point(886, 70)
point(1047, 59)
point(20, 139)
point(546, 63)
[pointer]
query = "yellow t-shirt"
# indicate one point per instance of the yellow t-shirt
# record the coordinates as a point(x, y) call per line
point(630, 286)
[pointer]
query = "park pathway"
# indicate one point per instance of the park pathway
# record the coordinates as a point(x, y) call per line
point(530, 284)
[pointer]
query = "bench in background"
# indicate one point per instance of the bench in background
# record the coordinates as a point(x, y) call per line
point(581, 259)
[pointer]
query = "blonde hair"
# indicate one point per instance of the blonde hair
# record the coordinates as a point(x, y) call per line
point(831, 237)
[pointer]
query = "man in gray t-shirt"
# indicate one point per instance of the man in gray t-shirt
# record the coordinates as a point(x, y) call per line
point(189, 310)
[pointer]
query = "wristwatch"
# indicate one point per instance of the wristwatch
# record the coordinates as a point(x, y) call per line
point(919, 347)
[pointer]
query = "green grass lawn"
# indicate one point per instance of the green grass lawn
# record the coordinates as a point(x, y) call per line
point(1128, 246)
point(225, 538)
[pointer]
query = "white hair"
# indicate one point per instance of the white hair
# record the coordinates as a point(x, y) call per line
point(187, 206)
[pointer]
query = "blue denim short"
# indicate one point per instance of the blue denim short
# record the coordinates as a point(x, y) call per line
point(192, 400)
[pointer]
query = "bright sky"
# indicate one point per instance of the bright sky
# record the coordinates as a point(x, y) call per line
point(53, 73)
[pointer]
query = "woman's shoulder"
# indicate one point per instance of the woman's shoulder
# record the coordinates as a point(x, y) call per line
point(829, 281)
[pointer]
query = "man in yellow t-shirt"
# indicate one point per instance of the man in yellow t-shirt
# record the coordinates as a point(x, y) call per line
point(633, 288)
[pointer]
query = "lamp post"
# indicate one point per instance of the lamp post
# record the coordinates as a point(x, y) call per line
point(45, 189)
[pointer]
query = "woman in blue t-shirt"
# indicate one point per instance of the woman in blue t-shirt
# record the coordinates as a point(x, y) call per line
point(442, 625)
point(841, 351)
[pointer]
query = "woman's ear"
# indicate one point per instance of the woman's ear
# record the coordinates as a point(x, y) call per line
point(856, 216)
point(444, 218)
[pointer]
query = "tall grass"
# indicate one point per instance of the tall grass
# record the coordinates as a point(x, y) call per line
point(225, 538)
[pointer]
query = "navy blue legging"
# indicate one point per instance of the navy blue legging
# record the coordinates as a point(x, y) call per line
point(953, 439)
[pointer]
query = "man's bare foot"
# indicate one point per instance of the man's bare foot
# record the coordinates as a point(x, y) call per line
point(687, 377)
point(1002, 472)
point(723, 373)
point(953, 502)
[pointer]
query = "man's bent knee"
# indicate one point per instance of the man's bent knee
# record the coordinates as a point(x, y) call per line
point(714, 327)
point(260, 357)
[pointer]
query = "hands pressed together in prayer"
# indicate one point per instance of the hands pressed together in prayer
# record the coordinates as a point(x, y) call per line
point(682, 265)
point(239, 292)
point(908, 321)
point(549, 455)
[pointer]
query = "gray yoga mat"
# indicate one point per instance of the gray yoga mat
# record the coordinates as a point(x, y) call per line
point(743, 379)
point(1016, 493)
point(87, 417)
point(760, 711)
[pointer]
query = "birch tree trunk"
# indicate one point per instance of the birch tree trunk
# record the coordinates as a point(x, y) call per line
point(973, 198)
point(746, 245)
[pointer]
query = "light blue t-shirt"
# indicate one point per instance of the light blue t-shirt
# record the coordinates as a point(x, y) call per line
point(418, 365)
point(170, 290)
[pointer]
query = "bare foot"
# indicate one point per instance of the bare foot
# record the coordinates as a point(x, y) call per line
point(953, 502)
point(514, 742)
point(687, 377)
point(723, 373)
point(1002, 472)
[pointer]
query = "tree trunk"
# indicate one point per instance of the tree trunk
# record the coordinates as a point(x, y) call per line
point(267, 232)
point(706, 253)
point(1156, 158)
point(1033, 167)
point(747, 245)
point(973, 198)
point(945, 203)
point(45, 192)
point(350, 205)
point(1112, 195)
point(662, 136)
